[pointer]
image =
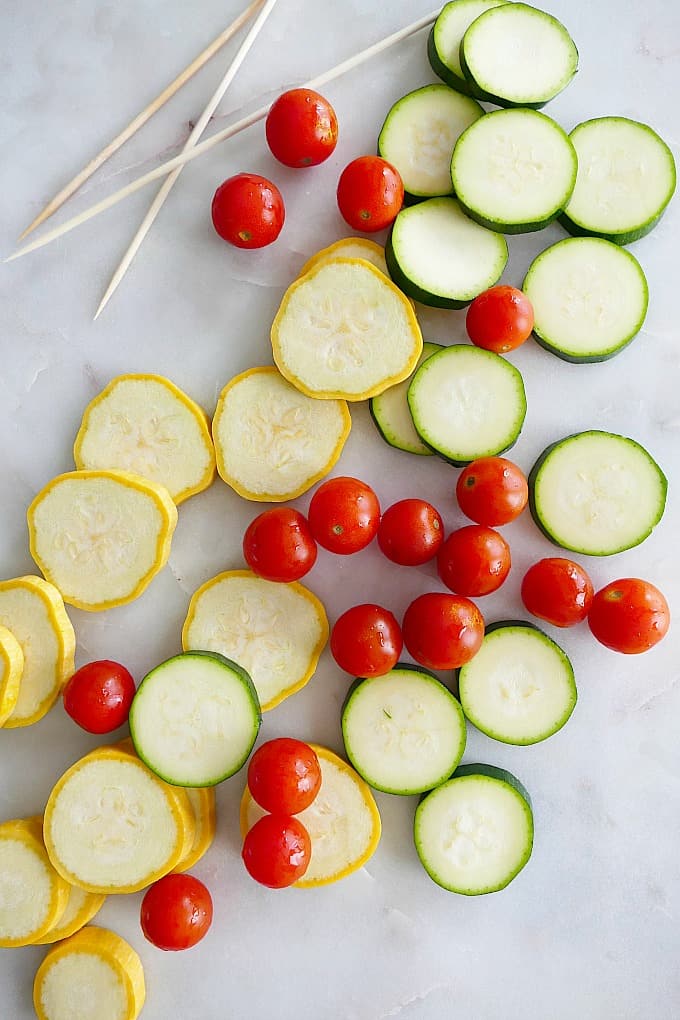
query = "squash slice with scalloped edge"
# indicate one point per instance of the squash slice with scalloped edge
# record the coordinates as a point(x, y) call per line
point(348, 248)
point(33, 895)
point(11, 668)
point(81, 907)
point(202, 801)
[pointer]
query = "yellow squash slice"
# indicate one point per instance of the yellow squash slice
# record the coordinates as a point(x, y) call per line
point(343, 822)
point(344, 330)
point(202, 803)
point(101, 536)
point(93, 975)
point(349, 248)
point(11, 668)
point(81, 907)
point(33, 896)
point(33, 610)
point(273, 442)
point(276, 632)
point(146, 425)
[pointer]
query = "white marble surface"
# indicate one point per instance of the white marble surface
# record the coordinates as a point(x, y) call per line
point(590, 930)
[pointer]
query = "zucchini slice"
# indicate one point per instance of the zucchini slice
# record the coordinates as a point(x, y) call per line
point(101, 536)
point(392, 417)
point(345, 331)
point(202, 803)
point(33, 895)
point(348, 248)
point(596, 493)
point(276, 632)
point(11, 668)
point(81, 907)
point(589, 298)
point(273, 442)
point(475, 833)
point(467, 403)
point(514, 170)
point(443, 44)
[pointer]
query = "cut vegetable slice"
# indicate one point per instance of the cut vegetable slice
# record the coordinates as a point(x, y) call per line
point(11, 668)
point(443, 44)
point(81, 907)
point(202, 803)
point(146, 425)
point(33, 896)
point(33, 610)
point(276, 632)
point(475, 833)
point(345, 331)
point(101, 536)
point(348, 248)
point(597, 493)
point(589, 298)
point(392, 417)
point(273, 442)
point(343, 822)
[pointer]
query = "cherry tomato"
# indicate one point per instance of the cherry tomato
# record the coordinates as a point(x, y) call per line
point(277, 851)
point(344, 515)
point(474, 560)
point(366, 641)
point(629, 616)
point(370, 193)
point(301, 128)
point(410, 532)
point(492, 491)
point(279, 546)
point(500, 319)
point(98, 696)
point(442, 631)
point(248, 211)
point(284, 776)
point(176, 912)
point(557, 590)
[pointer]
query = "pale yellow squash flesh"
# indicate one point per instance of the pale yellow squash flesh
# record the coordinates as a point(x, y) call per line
point(349, 248)
point(202, 802)
point(33, 896)
point(11, 668)
point(81, 907)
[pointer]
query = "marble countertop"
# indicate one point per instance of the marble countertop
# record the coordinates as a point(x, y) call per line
point(590, 929)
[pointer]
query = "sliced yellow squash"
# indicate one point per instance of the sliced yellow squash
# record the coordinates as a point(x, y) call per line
point(276, 632)
point(33, 896)
point(146, 425)
point(81, 907)
point(273, 442)
point(101, 536)
point(349, 248)
point(11, 668)
point(33, 610)
point(344, 330)
point(343, 822)
point(205, 820)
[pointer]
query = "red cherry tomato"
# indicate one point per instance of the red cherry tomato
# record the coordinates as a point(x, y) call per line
point(248, 211)
point(492, 491)
point(474, 560)
point(98, 696)
point(176, 912)
point(277, 851)
point(442, 631)
point(301, 128)
point(284, 776)
point(629, 616)
point(279, 546)
point(557, 590)
point(500, 319)
point(410, 532)
point(370, 193)
point(366, 641)
point(344, 515)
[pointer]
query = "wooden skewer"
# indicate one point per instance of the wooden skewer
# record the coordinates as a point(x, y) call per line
point(141, 118)
point(217, 138)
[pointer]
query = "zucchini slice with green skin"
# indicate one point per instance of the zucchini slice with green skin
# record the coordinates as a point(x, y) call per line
point(467, 403)
point(475, 833)
point(392, 417)
point(520, 686)
point(443, 44)
point(597, 493)
point(589, 298)
point(626, 178)
point(195, 718)
point(404, 732)
point(514, 170)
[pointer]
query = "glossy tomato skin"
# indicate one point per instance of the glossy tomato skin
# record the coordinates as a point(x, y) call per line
point(366, 641)
point(344, 515)
point(629, 615)
point(176, 912)
point(284, 776)
point(442, 631)
point(277, 851)
point(410, 532)
point(98, 696)
point(279, 546)
point(248, 211)
point(492, 491)
point(500, 319)
point(557, 590)
point(474, 560)
point(370, 193)
point(301, 128)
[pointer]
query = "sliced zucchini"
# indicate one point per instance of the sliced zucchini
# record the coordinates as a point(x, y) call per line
point(81, 907)
point(33, 895)
point(596, 493)
point(626, 178)
point(11, 668)
point(589, 298)
point(392, 417)
point(514, 170)
point(348, 248)
point(467, 403)
point(440, 257)
point(443, 44)
point(475, 833)
point(202, 803)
